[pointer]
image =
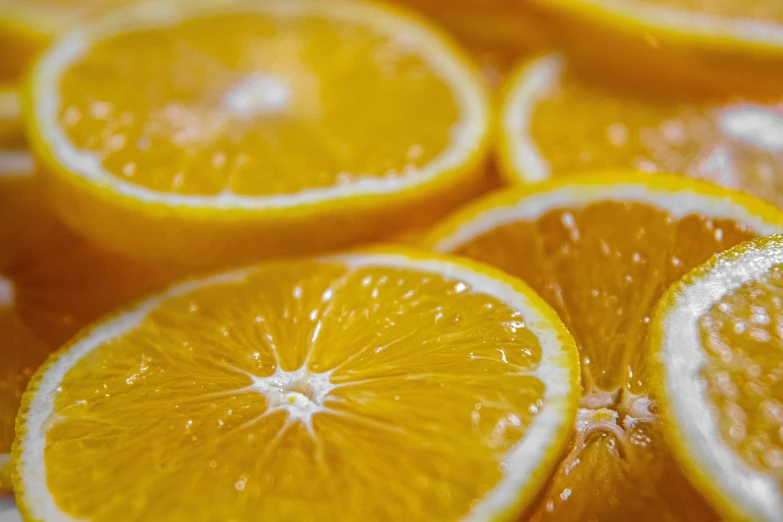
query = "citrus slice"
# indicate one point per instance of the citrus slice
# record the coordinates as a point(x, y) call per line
point(385, 384)
point(601, 250)
point(559, 120)
point(203, 130)
point(709, 45)
point(717, 338)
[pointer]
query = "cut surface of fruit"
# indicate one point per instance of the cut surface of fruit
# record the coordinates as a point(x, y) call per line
point(601, 250)
point(559, 120)
point(717, 341)
point(386, 384)
point(238, 117)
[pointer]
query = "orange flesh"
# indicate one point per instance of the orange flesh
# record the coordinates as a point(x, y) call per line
point(764, 10)
point(723, 141)
point(602, 268)
point(432, 388)
point(253, 105)
point(741, 335)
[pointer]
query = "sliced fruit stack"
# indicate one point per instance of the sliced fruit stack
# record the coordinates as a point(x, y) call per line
point(191, 330)
point(602, 250)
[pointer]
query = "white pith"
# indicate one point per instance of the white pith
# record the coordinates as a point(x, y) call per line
point(695, 417)
point(521, 463)
point(532, 84)
point(690, 22)
point(532, 206)
point(467, 134)
point(281, 394)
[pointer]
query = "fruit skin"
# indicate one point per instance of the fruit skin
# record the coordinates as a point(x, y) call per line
point(699, 477)
point(658, 58)
point(213, 237)
point(527, 495)
point(205, 238)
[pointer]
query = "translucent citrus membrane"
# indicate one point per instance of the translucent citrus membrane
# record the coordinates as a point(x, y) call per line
point(741, 335)
point(256, 105)
point(604, 281)
point(762, 10)
point(22, 352)
point(731, 142)
point(62, 283)
point(305, 392)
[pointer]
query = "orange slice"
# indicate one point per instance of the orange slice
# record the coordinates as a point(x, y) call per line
point(557, 120)
point(386, 384)
point(601, 250)
point(709, 45)
point(717, 338)
point(205, 131)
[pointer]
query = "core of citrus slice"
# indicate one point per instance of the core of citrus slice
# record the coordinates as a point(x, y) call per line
point(386, 384)
point(717, 340)
point(601, 250)
point(708, 45)
point(203, 130)
point(558, 120)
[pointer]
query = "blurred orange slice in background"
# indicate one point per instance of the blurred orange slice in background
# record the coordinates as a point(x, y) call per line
point(601, 250)
point(717, 339)
point(386, 384)
point(558, 120)
point(728, 46)
point(205, 131)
